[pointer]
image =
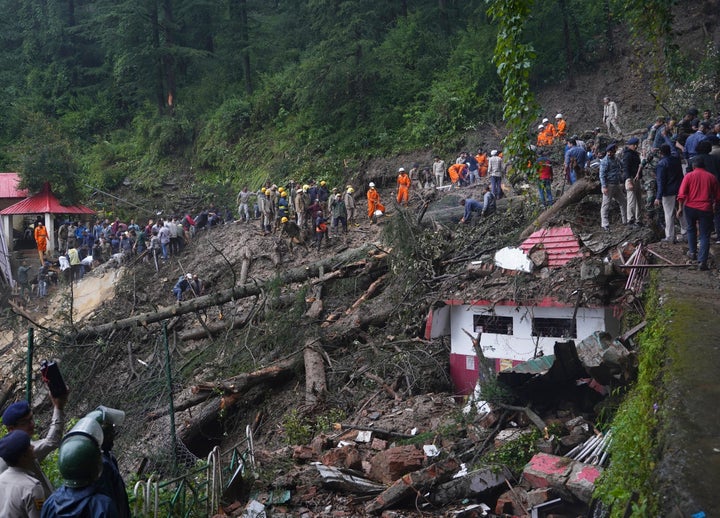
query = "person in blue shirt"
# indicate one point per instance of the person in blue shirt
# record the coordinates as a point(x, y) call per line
point(485, 208)
point(575, 158)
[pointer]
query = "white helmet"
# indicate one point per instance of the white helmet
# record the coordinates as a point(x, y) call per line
point(559, 116)
point(372, 184)
point(546, 120)
point(541, 126)
point(401, 170)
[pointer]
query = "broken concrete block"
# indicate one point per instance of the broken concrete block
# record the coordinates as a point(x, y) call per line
point(545, 470)
point(345, 457)
point(391, 464)
point(581, 481)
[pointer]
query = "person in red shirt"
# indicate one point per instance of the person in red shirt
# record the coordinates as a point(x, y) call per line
point(698, 195)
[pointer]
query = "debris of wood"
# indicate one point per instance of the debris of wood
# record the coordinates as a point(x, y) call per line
point(415, 483)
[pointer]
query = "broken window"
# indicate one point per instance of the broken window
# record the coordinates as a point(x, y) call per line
point(555, 327)
point(493, 324)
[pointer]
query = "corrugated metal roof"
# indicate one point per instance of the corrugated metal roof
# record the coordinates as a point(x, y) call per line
point(560, 244)
point(8, 186)
point(42, 202)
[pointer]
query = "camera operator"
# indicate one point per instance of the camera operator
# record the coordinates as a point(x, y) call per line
point(19, 416)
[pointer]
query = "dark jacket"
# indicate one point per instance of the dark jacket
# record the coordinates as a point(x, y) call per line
point(668, 175)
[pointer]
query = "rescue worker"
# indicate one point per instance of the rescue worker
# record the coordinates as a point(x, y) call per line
point(300, 207)
point(457, 174)
point(19, 416)
point(482, 160)
point(294, 233)
point(438, 168)
point(321, 228)
point(339, 215)
point(349, 201)
point(80, 464)
point(403, 183)
point(561, 126)
point(21, 494)
point(41, 237)
point(550, 133)
point(373, 199)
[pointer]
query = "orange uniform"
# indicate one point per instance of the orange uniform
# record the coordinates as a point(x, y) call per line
point(403, 194)
point(373, 198)
point(561, 129)
point(41, 236)
point(482, 160)
point(456, 172)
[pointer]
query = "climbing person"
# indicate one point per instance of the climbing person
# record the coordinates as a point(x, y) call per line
point(403, 183)
point(374, 204)
point(294, 233)
point(181, 286)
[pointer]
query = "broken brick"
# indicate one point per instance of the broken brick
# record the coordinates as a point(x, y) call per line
point(303, 453)
point(581, 481)
point(345, 457)
point(389, 465)
point(379, 444)
point(545, 470)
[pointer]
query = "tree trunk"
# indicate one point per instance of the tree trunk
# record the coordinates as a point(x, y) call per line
point(315, 380)
point(574, 194)
point(221, 297)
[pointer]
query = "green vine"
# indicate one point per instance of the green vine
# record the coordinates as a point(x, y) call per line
point(514, 59)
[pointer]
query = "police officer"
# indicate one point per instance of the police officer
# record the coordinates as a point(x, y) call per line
point(80, 464)
point(21, 494)
point(19, 416)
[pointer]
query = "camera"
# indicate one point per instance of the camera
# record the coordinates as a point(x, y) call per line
point(53, 378)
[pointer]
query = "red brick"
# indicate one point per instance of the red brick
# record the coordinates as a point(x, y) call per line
point(345, 457)
point(389, 465)
point(545, 470)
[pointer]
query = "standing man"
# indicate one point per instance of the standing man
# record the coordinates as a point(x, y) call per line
point(403, 183)
point(339, 215)
point(561, 126)
point(438, 169)
point(473, 168)
point(21, 494)
point(611, 182)
point(698, 195)
point(545, 178)
point(41, 237)
point(575, 159)
point(631, 175)
point(496, 170)
point(243, 198)
point(668, 176)
point(19, 416)
point(610, 116)
point(349, 201)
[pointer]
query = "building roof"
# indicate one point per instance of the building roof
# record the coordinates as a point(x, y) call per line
point(559, 243)
point(8, 186)
point(43, 202)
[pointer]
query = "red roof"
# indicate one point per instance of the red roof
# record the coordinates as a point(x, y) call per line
point(560, 244)
point(8, 186)
point(42, 202)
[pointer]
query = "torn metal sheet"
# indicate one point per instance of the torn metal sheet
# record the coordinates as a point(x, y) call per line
point(512, 258)
point(347, 480)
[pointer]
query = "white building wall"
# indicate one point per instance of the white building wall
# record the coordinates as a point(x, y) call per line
point(521, 344)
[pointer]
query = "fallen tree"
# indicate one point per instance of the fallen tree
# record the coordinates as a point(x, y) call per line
point(223, 296)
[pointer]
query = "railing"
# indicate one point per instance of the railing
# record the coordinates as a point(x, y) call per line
point(196, 493)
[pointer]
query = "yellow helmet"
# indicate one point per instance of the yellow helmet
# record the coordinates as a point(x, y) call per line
point(284, 220)
point(306, 187)
point(263, 190)
point(322, 183)
point(350, 190)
